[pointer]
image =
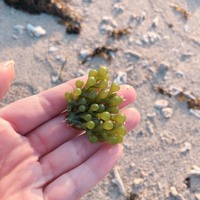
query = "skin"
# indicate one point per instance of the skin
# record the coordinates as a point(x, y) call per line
point(42, 158)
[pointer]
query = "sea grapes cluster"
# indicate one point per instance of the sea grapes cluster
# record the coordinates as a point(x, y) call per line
point(94, 107)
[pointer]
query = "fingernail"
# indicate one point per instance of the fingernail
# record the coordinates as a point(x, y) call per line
point(7, 64)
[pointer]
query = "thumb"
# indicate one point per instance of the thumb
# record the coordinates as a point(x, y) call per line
point(6, 76)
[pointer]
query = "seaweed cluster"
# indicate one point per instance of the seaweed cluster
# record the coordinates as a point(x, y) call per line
point(94, 107)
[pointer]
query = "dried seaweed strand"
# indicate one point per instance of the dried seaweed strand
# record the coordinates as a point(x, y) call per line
point(103, 52)
point(184, 12)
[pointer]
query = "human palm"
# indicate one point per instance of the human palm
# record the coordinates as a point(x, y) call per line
point(42, 158)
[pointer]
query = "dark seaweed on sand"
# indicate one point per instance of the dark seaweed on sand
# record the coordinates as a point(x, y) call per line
point(55, 7)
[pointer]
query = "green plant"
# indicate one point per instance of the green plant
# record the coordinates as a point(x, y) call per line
point(94, 107)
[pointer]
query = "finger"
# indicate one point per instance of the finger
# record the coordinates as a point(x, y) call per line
point(54, 132)
point(77, 151)
point(76, 183)
point(26, 114)
point(6, 77)
point(129, 97)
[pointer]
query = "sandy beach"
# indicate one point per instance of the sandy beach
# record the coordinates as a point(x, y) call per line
point(156, 52)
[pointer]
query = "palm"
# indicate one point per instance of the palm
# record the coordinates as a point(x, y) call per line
point(43, 158)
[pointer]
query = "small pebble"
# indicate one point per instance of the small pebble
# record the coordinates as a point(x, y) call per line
point(60, 58)
point(36, 31)
point(84, 53)
point(138, 182)
point(132, 165)
point(167, 112)
point(186, 56)
point(133, 54)
point(161, 103)
point(151, 115)
point(189, 95)
point(175, 90)
point(180, 74)
point(81, 72)
point(187, 147)
point(55, 78)
point(194, 179)
point(15, 37)
point(195, 171)
point(118, 8)
point(19, 28)
point(186, 28)
point(105, 28)
point(141, 17)
point(155, 22)
point(175, 194)
point(109, 21)
point(121, 78)
point(163, 68)
point(150, 127)
point(53, 49)
point(150, 38)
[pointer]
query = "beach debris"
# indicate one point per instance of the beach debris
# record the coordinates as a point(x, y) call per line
point(84, 53)
point(121, 78)
point(36, 31)
point(162, 91)
point(167, 112)
point(107, 25)
point(19, 28)
point(118, 33)
point(150, 38)
point(72, 27)
point(53, 49)
point(151, 115)
point(163, 68)
point(175, 194)
point(155, 22)
point(133, 54)
point(196, 113)
point(150, 127)
point(118, 181)
point(186, 56)
point(118, 8)
point(109, 21)
point(138, 18)
point(106, 52)
point(174, 90)
point(179, 74)
point(186, 148)
point(58, 77)
point(186, 28)
point(183, 11)
point(197, 196)
point(14, 36)
point(193, 103)
point(161, 103)
point(138, 182)
point(133, 196)
point(193, 179)
point(58, 8)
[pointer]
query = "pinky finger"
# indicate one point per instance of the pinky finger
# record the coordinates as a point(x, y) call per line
point(6, 77)
point(74, 184)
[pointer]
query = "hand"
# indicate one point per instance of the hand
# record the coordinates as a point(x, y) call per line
point(42, 158)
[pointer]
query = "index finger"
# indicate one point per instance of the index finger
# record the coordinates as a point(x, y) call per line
point(29, 113)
